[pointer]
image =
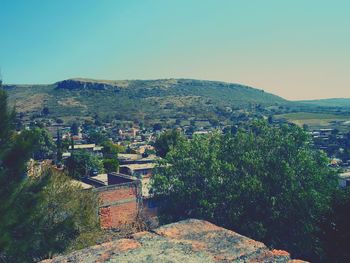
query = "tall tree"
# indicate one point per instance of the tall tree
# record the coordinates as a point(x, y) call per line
point(59, 147)
point(38, 216)
point(166, 141)
point(75, 128)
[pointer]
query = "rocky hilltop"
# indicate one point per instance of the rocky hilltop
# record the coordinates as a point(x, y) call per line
point(144, 101)
point(82, 84)
point(186, 241)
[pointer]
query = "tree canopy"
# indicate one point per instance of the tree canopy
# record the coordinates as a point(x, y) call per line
point(38, 216)
point(263, 181)
point(82, 163)
point(58, 216)
point(166, 141)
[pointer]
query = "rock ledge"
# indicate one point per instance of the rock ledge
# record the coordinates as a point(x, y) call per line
point(186, 241)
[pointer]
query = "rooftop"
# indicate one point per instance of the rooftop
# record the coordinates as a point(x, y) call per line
point(141, 166)
point(81, 184)
point(101, 177)
point(129, 156)
point(345, 175)
point(83, 146)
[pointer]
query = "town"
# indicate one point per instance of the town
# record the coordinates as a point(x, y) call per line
point(117, 160)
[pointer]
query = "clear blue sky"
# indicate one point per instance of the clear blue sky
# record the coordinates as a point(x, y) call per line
point(294, 48)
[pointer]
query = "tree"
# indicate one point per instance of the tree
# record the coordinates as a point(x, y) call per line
point(59, 121)
point(28, 232)
point(44, 147)
point(74, 128)
point(81, 163)
point(110, 149)
point(97, 137)
point(46, 111)
point(111, 165)
point(166, 141)
point(157, 127)
point(264, 182)
point(336, 228)
point(59, 147)
point(63, 218)
point(15, 151)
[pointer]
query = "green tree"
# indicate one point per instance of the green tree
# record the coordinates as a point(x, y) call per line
point(44, 147)
point(111, 165)
point(157, 126)
point(75, 128)
point(265, 182)
point(97, 137)
point(81, 163)
point(15, 151)
point(59, 147)
point(45, 111)
point(336, 228)
point(63, 218)
point(110, 149)
point(166, 141)
point(38, 216)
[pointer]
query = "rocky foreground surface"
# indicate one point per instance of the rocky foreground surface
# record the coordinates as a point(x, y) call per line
point(186, 241)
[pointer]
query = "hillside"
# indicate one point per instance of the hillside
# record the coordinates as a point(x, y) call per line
point(336, 102)
point(136, 99)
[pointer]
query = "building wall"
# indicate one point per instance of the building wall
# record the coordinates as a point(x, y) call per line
point(119, 204)
point(118, 179)
point(149, 209)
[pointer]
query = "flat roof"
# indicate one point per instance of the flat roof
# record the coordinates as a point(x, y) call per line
point(345, 175)
point(103, 178)
point(81, 184)
point(129, 156)
point(126, 176)
point(141, 166)
point(83, 146)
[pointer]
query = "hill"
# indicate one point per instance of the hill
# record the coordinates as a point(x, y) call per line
point(335, 102)
point(140, 100)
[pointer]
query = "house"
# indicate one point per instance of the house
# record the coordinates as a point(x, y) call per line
point(96, 181)
point(125, 158)
point(120, 204)
point(123, 199)
point(128, 158)
point(149, 206)
point(93, 148)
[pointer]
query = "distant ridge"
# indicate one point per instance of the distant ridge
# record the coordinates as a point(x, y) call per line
point(333, 102)
point(138, 99)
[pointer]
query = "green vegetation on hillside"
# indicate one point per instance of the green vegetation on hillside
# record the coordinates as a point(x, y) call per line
point(138, 100)
point(339, 102)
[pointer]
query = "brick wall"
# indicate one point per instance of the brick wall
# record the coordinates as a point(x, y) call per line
point(119, 204)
